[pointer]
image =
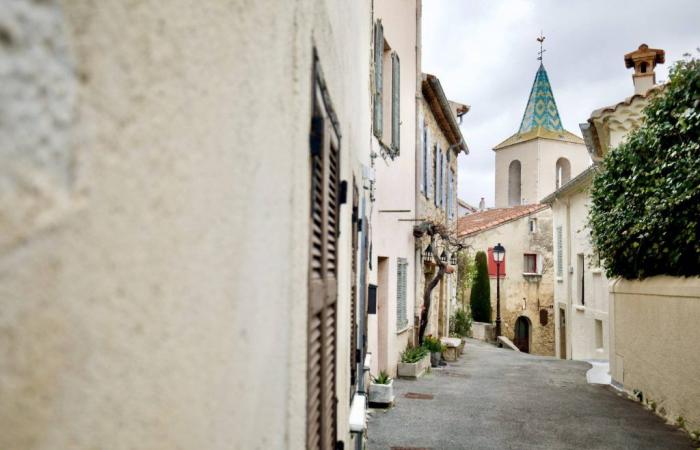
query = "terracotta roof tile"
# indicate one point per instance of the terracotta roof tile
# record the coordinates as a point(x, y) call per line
point(484, 220)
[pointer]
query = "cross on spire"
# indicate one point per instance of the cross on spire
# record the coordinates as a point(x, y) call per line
point(541, 52)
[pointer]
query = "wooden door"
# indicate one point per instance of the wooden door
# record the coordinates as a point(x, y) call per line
point(562, 333)
point(522, 334)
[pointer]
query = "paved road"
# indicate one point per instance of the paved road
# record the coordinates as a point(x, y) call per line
point(497, 399)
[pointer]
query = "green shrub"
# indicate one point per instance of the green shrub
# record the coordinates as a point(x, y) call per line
point(460, 323)
point(481, 291)
point(645, 209)
point(413, 354)
point(433, 344)
point(465, 276)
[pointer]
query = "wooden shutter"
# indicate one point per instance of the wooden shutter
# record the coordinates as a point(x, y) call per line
point(378, 80)
point(353, 289)
point(423, 152)
point(395, 103)
point(321, 332)
point(401, 287)
point(429, 165)
point(492, 264)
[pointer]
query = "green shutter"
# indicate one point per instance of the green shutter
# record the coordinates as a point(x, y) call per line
point(378, 54)
point(395, 103)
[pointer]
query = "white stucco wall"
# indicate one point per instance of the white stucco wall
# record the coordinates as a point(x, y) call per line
point(570, 211)
point(655, 349)
point(391, 237)
point(538, 159)
point(155, 178)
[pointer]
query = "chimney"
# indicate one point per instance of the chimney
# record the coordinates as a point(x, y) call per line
point(644, 60)
point(482, 204)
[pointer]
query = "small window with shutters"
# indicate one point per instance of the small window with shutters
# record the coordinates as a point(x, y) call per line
point(324, 169)
point(401, 294)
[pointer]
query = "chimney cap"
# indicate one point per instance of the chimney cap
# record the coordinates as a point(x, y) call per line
point(652, 55)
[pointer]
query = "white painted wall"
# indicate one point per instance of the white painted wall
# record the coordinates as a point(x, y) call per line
point(538, 158)
point(570, 211)
point(391, 237)
point(155, 161)
point(655, 348)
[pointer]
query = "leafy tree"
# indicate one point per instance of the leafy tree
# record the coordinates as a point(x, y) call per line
point(481, 291)
point(465, 276)
point(645, 212)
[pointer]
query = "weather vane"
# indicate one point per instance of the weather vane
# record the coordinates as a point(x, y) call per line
point(541, 52)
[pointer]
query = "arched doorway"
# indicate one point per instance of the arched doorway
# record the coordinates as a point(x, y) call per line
point(522, 334)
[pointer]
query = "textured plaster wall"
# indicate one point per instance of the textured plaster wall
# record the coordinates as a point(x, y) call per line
point(538, 159)
point(580, 319)
point(391, 237)
point(655, 347)
point(154, 176)
point(523, 295)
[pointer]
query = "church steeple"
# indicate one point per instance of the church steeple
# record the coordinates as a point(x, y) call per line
point(541, 117)
point(541, 109)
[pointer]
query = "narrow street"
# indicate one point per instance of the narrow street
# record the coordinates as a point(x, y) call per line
point(498, 399)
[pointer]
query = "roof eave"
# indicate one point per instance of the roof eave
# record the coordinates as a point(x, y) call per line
point(432, 90)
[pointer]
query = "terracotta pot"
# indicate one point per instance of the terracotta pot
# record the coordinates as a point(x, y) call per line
point(450, 269)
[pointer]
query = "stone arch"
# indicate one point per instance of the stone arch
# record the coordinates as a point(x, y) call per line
point(514, 183)
point(563, 172)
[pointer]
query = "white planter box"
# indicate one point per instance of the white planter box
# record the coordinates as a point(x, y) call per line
point(414, 370)
point(381, 393)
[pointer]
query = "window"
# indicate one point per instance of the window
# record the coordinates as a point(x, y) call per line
point(493, 269)
point(530, 263)
point(532, 225)
point(324, 165)
point(563, 172)
point(386, 108)
point(599, 334)
point(580, 277)
point(560, 252)
point(514, 183)
point(401, 286)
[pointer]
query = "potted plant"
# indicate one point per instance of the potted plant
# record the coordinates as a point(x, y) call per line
point(381, 389)
point(414, 361)
point(435, 347)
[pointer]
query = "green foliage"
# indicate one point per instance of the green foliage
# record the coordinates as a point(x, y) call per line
point(465, 276)
point(645, 213)
point(382, 378)
point(460, 323)
point(480, 299)
point(413, 354)
point(433, 344)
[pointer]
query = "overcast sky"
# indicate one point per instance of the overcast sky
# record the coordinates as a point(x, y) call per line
point(485, 54)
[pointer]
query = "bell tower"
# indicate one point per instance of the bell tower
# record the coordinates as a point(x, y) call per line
point(644, 61)
point(541, 156)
